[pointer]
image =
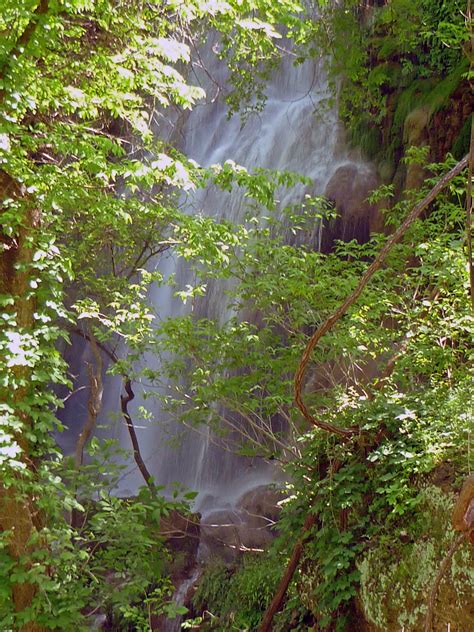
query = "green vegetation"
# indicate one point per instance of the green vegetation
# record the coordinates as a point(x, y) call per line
point(401, 55)
point(90, 193)
point(236, 595)
point(416, 319)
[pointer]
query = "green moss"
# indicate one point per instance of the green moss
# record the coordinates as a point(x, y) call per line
point(463, 140)
point(426, 92)
point(396, 578)
point(368, 137)
point(439, 96)
point(409, 99)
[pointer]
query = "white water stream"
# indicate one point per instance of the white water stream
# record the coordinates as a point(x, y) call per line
point(295, 132)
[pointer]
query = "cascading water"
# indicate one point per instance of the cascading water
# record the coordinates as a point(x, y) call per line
point(291, 135)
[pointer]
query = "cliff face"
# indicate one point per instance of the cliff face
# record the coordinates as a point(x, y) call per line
point(392, 579)
point(443, 131)
point(439, 119)
point(449, 128)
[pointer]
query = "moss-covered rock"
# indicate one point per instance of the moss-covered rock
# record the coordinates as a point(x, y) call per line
point(397, 576)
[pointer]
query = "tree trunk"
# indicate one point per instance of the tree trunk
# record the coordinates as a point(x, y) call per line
point(18, 515)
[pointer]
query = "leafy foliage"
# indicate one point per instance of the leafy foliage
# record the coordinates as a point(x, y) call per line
point(415, 318)
point(90, 191)
point(235, 596)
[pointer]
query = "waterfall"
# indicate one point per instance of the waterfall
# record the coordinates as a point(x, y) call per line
point(296, 131)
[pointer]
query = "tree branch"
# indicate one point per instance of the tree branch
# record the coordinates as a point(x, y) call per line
point(108, 352)
point(25, 37)
point(124, 401)
point(277, 600)
point(352, 298)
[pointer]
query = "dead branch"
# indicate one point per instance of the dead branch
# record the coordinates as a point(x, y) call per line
point(277, 600)
point(352, 298)
point(124, 401)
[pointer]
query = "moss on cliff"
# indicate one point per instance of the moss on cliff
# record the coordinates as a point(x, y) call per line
point(397, 575)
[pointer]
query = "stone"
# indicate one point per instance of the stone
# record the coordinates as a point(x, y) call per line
point(463, 512)
point(247, 526)
point(348, 189)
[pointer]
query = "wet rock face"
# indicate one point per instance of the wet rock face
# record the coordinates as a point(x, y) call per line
point(182, 536)
point(348, 189)
point(447, 123)
point(397, 577)
point(249, 525)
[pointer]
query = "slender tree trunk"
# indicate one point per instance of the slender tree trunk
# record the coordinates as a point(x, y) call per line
point(95, 402)
point(18, 514)
point(124, 401)
point(94, 371)
point(277, 600)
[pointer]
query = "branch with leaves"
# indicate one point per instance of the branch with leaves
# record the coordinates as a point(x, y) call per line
point(346, 434)
point(352, 298)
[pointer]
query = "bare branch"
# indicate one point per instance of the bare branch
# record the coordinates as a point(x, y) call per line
point(124, 401)
point(94, 404)
point(277, 600)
